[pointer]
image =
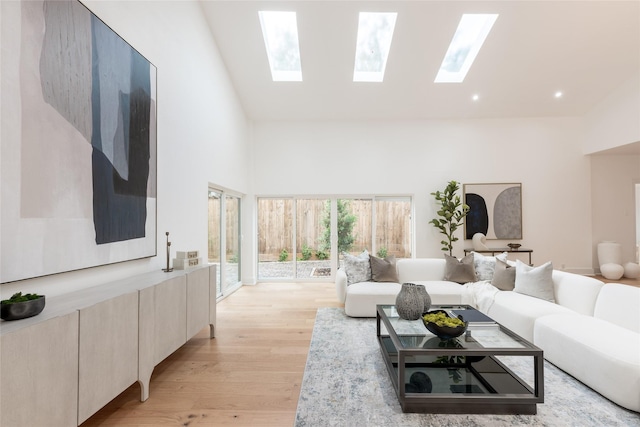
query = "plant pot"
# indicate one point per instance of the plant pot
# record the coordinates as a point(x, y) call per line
point(22, 310)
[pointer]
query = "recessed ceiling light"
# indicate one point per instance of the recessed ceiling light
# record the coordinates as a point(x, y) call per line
point(280, 33)
point(558, 94)
point(375, 31)
point(465, 45)
point(475, 97)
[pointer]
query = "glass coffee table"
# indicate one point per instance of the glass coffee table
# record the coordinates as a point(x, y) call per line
point(467, 374)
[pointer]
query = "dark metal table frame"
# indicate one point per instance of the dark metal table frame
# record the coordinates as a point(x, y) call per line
point(486, 403)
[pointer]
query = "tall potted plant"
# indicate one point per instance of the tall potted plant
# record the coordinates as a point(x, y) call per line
point(451, 212)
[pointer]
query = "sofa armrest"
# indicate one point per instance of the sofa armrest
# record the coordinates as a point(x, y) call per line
point(341, 285)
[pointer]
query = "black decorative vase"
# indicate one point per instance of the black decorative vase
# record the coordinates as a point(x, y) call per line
point(409, 302)
point(425, 297)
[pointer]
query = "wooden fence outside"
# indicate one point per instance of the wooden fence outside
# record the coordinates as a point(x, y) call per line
point(275, 226)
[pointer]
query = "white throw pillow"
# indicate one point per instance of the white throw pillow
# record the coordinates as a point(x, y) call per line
point(357, 268)
point(535, 281)
point(485, 265)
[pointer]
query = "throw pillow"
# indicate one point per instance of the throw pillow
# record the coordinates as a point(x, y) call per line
point(504, 276)
point(459, 271)
point(485, 265)
point(535, 281)
point(357, 268)
point(383, 270)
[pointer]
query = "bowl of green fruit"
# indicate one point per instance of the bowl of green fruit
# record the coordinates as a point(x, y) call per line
point(21, 306)
point(445, 327)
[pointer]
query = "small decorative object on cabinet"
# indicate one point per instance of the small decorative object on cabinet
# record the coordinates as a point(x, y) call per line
point(21, 306)
point(186, 259)
point(409, 303)
point(479, 242)
point(168, 269)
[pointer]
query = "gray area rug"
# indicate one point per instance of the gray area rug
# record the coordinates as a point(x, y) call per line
point(347, 384)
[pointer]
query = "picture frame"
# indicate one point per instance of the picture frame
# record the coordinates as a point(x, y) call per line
point(79, 166)
point(495, 210)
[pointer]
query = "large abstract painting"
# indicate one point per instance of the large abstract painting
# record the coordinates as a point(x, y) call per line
point(495, 210)
point(78, 142)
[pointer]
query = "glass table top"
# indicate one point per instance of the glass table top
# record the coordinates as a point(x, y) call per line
point(412, 334)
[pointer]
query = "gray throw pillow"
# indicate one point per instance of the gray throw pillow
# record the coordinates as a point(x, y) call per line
point(383, 270)
point(535, 281)
point(357, 268)
point(459, 271)
point(504, 276)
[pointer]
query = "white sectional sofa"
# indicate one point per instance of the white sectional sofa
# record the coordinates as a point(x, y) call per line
point(591, 331)
point(360, 299)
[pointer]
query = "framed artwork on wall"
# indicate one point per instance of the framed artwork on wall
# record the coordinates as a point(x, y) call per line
point(495, 210)
point(78, 143)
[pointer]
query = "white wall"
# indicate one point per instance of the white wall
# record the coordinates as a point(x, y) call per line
point(203, 134)
point(418, 157)
point(637, 257)
point(615, 121)
point(613, 192)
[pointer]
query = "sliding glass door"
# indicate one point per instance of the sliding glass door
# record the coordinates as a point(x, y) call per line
point(303, 238)
point(224, 214)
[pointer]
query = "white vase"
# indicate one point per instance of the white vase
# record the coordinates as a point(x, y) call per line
point(631, 270)
point(609, 253)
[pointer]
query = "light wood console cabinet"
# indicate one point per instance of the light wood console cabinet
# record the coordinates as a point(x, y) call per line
point(86, 347)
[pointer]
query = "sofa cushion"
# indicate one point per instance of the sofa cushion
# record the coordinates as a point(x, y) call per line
point(443, 292)
point(535, 281)
point(485, 265)
point(383, 270)
point(412, 269)
point(602, 355)
point(363, 297)
point(518, 312)
point(575, 291)
point(620, 305)
point(459, 270)
point(504, 276)
point(358, 268)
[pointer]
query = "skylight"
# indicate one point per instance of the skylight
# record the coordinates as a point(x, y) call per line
point(465, 45)
point(280, 33)
point(375, 31)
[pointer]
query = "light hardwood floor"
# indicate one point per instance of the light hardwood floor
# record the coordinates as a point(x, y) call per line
point(624, 281)
point(249, 375)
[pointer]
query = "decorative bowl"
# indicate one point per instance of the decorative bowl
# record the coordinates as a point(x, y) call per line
point(22, 310)
point(514, 245)
point(444, 332)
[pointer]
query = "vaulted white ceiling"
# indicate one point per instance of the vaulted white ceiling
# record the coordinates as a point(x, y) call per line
point(585, 49)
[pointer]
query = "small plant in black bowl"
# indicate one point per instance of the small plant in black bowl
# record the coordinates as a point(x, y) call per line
point(439, 323)
point(21, 306)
